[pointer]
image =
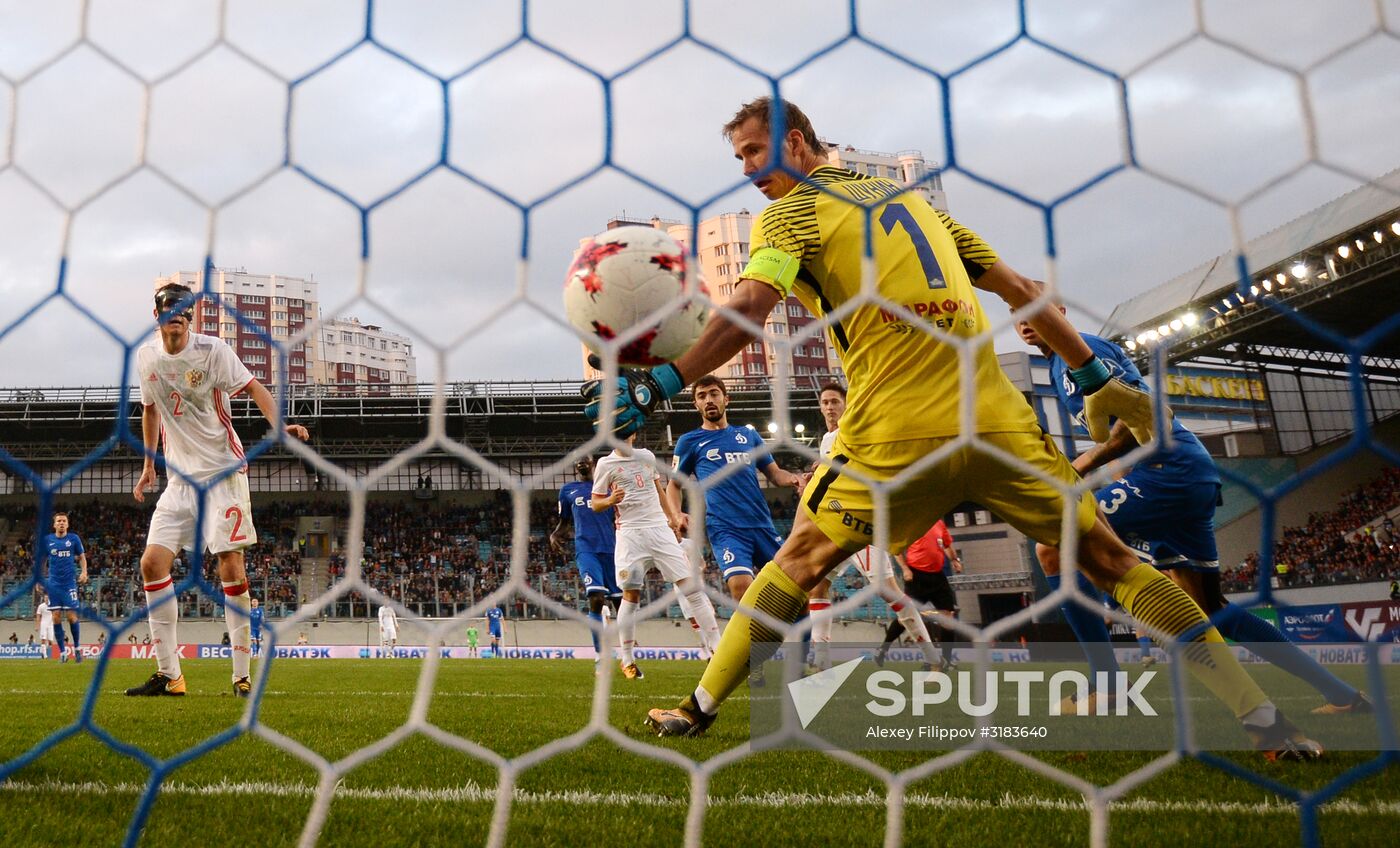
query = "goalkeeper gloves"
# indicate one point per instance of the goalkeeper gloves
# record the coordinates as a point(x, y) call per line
point(638, 393)
point(1107, 397)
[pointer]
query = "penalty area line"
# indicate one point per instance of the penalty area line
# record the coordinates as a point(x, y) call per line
point(407, 694)
point(473, 792)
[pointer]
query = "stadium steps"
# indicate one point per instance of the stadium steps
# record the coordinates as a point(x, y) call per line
point(315, 570)
point(315, 577)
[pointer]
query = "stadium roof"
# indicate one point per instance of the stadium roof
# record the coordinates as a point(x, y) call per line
point(1308, 264)
point(496, 418)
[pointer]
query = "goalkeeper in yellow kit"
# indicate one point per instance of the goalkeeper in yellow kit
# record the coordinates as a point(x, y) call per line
point(905, 392)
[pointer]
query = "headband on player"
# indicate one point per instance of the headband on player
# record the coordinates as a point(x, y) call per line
point(170, 301)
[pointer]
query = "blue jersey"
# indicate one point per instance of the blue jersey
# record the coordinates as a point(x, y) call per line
point(255, 621)
point(62, 553)
point(1187, 463)
point(593, 531)
point(493, 620)
point(737, 502)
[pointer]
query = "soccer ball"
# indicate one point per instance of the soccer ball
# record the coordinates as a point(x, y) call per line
point(619, 278)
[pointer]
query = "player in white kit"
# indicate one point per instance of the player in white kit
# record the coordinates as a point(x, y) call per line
point(647, 537)
point(388, 630)
point(45, 620)
point(186, 382)
point(875, 565)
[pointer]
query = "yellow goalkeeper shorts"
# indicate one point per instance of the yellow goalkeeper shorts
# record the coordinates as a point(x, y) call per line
point(838, 497)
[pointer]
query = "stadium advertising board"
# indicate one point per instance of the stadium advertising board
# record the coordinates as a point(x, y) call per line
point(1373, 621)
point(1365, 621)
point(1314, 623)
point(1215, 385)
point(188, 651)
point(21, 652)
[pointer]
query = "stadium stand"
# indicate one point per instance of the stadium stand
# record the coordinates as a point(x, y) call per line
point(435, 558)
point(1354, 542)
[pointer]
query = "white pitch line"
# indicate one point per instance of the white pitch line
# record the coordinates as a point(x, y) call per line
point(408, 694)
point(475, 793)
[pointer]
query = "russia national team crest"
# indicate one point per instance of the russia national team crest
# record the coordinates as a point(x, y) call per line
point(194, 377)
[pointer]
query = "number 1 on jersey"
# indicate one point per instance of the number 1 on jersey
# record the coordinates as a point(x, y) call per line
point(896, 214)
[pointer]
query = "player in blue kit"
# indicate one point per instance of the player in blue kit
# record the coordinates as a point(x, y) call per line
point(66, 561)
point(255, 625)
point(1164, 509)
point(494, 617)
point(594, 542)
point(737, 519)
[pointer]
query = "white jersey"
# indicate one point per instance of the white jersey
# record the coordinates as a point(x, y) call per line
point(191, 391)
point(387, 619)
point(636, 477)
point(45, 622)
point(827, 441)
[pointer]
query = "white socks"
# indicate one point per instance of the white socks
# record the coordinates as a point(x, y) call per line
point(696, 606)
point(627, 629)
point(1263, 715)
point(162, 614)
point(819, 610)
point(908, 615)
point(236, 608)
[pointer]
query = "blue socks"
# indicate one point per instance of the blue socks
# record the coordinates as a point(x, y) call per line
point(1145, 646)
point(73, 626)
point(58, 638)
point(1270, 644)
point(598, 617)
point(1089, 629)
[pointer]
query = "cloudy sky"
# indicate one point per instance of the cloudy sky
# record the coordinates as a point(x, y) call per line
point(201, 101)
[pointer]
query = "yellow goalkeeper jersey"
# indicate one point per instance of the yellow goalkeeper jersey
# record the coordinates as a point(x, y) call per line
point(904, 381)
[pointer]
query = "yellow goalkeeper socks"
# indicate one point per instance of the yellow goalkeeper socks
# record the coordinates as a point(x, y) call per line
point(1156, 601)
point(772, 592)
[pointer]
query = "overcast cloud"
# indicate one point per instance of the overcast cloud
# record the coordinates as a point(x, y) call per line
point(444, 253)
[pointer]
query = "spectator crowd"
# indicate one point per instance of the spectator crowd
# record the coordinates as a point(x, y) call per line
point(438, 559)
point(1354, 542)
point(434, 558)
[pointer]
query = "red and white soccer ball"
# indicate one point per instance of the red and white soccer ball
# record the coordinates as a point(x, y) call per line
point(620, 278)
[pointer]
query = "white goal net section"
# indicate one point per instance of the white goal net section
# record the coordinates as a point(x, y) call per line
point(433, 165)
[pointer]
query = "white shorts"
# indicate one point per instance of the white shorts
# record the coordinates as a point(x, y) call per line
point(868, 562)
point(388, 634)
point(46, 628)
point(228, 516)
point(640, 549)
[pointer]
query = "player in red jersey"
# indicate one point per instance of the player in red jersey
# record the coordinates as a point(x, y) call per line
point(925, 566)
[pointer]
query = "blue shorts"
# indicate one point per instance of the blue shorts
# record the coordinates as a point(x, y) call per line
point(598, 573)
point(495, 632)
point(744, 551)
point(1170, 526)
point(62, 595)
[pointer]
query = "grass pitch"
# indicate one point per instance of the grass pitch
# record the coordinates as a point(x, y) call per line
point(421, 792)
